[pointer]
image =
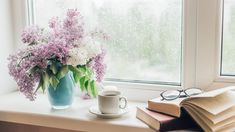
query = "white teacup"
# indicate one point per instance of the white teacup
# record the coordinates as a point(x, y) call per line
point(110, 102)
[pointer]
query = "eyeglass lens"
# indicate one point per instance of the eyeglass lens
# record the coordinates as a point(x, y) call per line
point(193, 91)
point(171, 94)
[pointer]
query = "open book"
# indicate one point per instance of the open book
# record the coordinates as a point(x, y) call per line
point(213, 111)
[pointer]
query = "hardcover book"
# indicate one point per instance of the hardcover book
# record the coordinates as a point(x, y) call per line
point(162, 122)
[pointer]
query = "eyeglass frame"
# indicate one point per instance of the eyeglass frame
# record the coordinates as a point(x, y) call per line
point(180, 91)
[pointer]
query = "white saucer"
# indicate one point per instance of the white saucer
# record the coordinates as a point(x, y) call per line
point(95, 110)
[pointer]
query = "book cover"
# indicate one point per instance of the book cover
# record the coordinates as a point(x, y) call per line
point(162, 122)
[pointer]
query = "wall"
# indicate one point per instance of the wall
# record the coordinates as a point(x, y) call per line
point(6, 45)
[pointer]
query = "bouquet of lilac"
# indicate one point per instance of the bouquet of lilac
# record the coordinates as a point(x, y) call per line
point(53, 52)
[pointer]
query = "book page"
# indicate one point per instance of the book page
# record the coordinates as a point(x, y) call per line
point(228, 128)
point(216, 118)
point(204, 115)
point(199, 119)
point(212, 93)
point(217, 104)
point(204, 121)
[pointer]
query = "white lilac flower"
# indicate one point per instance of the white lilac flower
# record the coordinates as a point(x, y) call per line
point(77, 56)
point(93, 47)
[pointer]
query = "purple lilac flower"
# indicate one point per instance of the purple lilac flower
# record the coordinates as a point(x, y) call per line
point(72, 13)
point(71, 29)
point(57, 49)
point(31, 35)
point(73, 26)
point(19, 69)
point(56, 29)
point(99, 66)
point(54, 22)
point(22, 62)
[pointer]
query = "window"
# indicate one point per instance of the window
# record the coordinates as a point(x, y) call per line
point(145, 42)
point(175, 42)
point(228, 41)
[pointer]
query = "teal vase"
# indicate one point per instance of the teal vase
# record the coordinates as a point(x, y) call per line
point(62, 97)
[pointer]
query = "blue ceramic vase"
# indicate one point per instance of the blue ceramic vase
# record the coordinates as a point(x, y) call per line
point(62, 97)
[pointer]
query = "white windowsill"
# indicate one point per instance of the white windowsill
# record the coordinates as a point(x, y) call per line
point(15, 108)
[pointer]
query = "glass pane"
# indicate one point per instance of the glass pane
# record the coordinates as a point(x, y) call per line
point(228, 42)
point(144, 35)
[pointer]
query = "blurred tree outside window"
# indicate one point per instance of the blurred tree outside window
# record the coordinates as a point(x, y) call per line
point(145, 36)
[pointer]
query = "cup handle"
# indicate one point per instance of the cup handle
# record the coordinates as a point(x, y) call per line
point(125, 102)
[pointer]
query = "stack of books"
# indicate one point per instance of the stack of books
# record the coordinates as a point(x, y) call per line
point(209, 111)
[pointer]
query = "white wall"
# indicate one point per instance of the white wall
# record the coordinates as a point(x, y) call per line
point(6, 45)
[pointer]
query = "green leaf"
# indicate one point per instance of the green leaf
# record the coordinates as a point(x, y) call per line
point(54, 82)
point(82, 82)
point(87, 84)
point(76, 73)
point(39, 84)
point(74, 69)
point(54, 68)
point(89, 72)
point(76, 77)
point(45, 82)
point(82, 69)
point(63, 71)
point(32, 70)
point(93, 88)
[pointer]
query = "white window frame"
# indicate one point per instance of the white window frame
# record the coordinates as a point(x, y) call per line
point(219, 77)
point(200, 49)
point(209, 46)
point(19, 20)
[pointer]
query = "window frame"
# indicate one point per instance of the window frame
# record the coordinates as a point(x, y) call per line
point(210, 15)
point(220, 77)
point(200, 20)
point(188, 59)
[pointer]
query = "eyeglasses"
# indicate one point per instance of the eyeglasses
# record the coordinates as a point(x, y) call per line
point(174, 94)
